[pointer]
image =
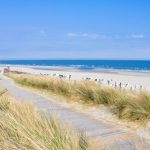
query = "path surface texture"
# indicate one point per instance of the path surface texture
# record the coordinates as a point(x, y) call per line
point(113, 137)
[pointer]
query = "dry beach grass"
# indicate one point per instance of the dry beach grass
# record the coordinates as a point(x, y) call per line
point(130, 105)
point(22, 126)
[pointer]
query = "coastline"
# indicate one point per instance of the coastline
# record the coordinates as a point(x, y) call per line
point(134, 79)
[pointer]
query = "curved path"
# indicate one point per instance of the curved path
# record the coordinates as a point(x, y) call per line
point(111, 136)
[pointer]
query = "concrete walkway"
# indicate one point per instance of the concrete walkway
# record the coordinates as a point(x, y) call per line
point(111, 136)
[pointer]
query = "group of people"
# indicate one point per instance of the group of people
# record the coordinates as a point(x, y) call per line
point(62, 76)
point(110, 82)
point(120, 85)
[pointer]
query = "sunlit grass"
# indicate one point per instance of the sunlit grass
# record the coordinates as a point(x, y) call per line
point(22, 126)
point(134, 106)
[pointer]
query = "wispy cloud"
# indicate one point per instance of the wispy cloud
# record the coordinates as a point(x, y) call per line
point(87, 35)
point(71, 34)
point(97, 36)
point(137, 36)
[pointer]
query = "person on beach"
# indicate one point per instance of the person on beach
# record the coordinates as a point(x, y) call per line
point(95, 80)
point(120, 85)
point(108, 82)
point(69, 77)
point(141, 87)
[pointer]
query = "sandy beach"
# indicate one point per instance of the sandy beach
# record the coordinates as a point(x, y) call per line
point(128, 79)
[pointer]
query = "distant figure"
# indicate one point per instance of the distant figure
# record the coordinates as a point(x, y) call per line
point(115, 84)
point(120, 85)
point(141, 87)
point(88, 78)
point(60, 76)
point(126, 85)
point(108, 82)
point(69, 77)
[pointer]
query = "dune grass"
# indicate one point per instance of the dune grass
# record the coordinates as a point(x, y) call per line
point(22, 126)
point(134, 106)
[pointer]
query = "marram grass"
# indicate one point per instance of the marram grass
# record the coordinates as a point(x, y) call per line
point(134, 106)
point(23, 127)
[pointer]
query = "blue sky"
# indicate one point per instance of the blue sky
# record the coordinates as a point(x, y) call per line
point(74, 29)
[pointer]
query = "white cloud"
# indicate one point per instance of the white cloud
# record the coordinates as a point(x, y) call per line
point(137, 36)
point(97, 36)
point(87, 35)
point(71, 34)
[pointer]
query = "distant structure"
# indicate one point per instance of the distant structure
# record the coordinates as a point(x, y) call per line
point(6, 70)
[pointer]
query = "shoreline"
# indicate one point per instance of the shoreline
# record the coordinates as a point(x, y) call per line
point(74, 68)
point(133, 79)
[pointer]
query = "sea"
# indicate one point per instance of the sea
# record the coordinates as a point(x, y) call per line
point(136, 65)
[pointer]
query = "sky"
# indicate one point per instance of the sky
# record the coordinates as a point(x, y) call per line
point(75, 29)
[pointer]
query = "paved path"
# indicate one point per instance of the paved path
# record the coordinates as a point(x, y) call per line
point(112, 136)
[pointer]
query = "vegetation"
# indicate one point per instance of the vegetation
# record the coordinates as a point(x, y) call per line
point(24, 127)
point(127, 104)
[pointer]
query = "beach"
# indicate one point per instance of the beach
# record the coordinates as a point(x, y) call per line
point(134, 80)
point(102, 105)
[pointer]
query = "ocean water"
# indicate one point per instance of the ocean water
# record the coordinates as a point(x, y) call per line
point(139, 65)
